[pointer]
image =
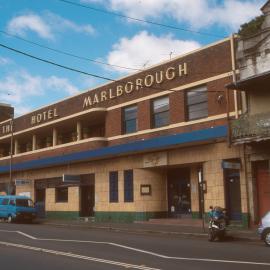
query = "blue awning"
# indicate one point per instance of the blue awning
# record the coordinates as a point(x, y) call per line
point(153, 144)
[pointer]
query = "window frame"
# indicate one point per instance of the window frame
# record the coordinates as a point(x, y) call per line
point(57, 199)
point(153, 114)
point(124, 126)
point(128, 186)
point(113, 187)
point(187, 105)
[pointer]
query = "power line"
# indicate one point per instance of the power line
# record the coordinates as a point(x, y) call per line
point(56, 64)
point(66, 53)
point(139, 20)
point(83, 72)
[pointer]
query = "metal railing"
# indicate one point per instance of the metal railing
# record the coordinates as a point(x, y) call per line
point(251, 126)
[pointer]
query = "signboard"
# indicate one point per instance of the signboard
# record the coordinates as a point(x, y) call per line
point(231, 165)
point(155, 160)
point(25, 194)
point(145, 189)
point(71, 178)
point(21, 182)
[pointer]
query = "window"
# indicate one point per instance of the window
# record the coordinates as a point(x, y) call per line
point(113, 187)
point(128, 186)
point(130, 119)
point(61, 194)
point(12, 202)
point(197, 103)
point(160, 108)
point(5, 202)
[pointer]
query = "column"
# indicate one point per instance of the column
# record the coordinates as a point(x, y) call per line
point(16, 147)
point(34, 142)
point(54, 136)
point(79, 131)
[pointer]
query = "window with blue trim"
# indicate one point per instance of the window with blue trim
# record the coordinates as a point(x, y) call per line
point(128, 186)
point(113, 179)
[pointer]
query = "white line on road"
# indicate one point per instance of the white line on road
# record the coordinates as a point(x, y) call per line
point(27, 235)
point(144, 251)
point(81, 257)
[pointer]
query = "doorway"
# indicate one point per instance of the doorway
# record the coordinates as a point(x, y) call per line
point(40, 197)
point(263, 188)
point(179, 197)
point(233, 194)
point(87, 195)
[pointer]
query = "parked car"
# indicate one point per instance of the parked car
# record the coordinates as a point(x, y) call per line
point(264, 229)
point(17, 208)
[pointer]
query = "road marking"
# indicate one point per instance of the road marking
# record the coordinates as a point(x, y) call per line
point(77, 256)
point(143, 251)
point(27, 235)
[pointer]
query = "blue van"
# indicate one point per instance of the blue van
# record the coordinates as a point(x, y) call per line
point(17, 208)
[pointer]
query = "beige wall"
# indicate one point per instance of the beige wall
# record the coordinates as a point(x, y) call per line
point(157, 201)
point(209, 156)
point(73, 203)
point(26, 188)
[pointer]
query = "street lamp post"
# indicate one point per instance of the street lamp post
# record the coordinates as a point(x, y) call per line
point(11, 153)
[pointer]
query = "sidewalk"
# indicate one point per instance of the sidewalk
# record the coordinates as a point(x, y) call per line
point(187, 231)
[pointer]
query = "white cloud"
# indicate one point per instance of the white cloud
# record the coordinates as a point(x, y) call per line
point(46, 25)
point(59, 23)
point(19, 87)
point(30, 22)
point(145, 49)
point(196, 13)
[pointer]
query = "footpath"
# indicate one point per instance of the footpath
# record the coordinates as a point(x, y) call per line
point(234, 233)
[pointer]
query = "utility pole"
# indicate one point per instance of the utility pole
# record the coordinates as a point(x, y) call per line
point(11, 154)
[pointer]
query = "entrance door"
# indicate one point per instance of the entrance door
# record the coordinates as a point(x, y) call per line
point(40, 197)
point(233, 194)
point(87, 200)
point(179, 199)
point(263, 185)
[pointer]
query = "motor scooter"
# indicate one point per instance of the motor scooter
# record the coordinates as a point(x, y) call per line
point(217, 223)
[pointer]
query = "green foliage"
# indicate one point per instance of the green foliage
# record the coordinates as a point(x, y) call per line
point(252, 27)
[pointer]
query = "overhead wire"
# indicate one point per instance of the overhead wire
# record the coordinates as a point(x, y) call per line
point(77, 70)
point(66, 53)
point(139, 20)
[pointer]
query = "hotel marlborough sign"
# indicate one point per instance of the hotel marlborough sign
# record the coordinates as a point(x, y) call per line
point(129, 87)
point(120, 88)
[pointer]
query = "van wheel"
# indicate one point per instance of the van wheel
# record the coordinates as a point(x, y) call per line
point(9, 219)
point(266, 238)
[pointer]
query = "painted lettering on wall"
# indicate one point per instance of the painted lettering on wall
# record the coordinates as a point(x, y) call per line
point(44, 116)
point(127, 88)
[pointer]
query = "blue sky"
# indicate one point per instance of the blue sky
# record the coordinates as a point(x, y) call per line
point(27, 84)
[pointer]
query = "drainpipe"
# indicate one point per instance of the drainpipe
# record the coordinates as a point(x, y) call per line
point(234, 75)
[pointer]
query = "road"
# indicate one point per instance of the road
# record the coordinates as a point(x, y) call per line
point(37, 246)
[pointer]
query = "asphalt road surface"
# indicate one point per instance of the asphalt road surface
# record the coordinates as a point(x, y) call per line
point(25, 246)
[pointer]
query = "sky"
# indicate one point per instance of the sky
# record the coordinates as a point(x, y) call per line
point(108, 38)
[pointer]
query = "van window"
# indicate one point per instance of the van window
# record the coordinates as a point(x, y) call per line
point(24, 203)
point(12, 202)
point(5, 202)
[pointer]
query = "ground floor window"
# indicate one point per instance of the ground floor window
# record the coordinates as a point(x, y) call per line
point(61, 194)
point(113, 178)
point(128, 186)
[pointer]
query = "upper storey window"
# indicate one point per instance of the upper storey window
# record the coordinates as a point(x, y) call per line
point(197, 103)
point(160, 109)
point(130, 119)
